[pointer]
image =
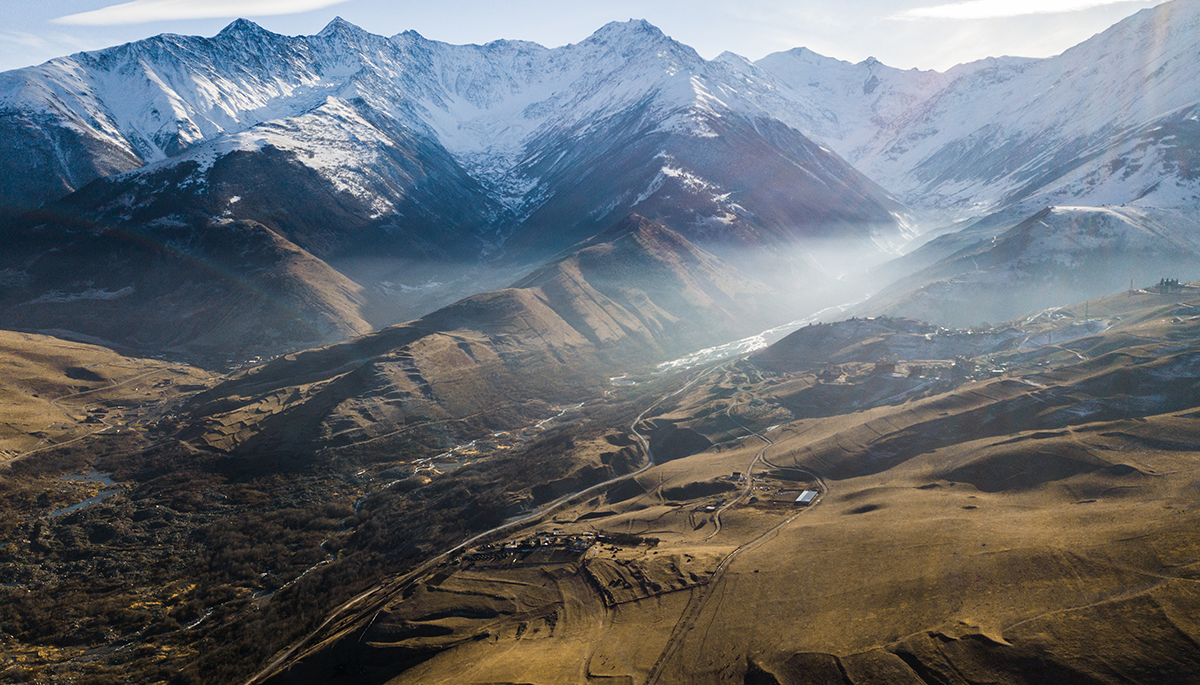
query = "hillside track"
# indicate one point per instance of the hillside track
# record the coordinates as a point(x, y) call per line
point(702, 593)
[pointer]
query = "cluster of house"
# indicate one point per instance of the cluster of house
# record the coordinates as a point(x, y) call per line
point(575, 542)
point(541, 540)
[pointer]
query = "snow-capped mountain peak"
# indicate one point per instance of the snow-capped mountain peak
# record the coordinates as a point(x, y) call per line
point(340, 27)
point(241, 29)
point(627, 30)
point(979, 136)
point(1012, 130)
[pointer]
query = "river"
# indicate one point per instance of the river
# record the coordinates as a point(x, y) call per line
point(755, 342)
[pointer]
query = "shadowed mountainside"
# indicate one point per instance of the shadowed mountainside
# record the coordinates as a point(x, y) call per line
point(210, 291)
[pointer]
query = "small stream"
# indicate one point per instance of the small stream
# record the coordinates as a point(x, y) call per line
point(754, 342)
point(559, 415)
point(91, 477)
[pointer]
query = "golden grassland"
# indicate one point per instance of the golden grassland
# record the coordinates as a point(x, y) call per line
point(56, 390)
point(1031, 523)
point(1024, 515)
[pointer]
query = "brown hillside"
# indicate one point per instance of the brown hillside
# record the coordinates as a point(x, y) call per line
point(1028, 526)
point(555, 337)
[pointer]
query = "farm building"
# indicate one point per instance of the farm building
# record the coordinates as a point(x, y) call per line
point(806, 498)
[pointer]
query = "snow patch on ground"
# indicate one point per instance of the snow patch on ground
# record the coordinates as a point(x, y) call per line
point(89, 294)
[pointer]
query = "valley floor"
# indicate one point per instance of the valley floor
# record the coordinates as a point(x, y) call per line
point(1023, 515)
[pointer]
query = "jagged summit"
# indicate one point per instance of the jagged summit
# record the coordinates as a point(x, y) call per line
point(636, 37)
point(337, 25)
point(490, 100)
point(486, 103)
point(632, 27)
point(732, 57)
point(801, 54)
point(241, 27)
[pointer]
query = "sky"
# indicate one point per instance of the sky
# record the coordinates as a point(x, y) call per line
point(926, 34)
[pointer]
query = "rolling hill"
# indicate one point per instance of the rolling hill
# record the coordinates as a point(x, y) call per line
point(619, 301)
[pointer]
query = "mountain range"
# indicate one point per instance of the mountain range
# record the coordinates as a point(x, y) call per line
point(348, 181)
point(344, 358)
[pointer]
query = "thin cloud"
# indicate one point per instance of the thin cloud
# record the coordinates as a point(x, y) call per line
point(996, 9)
point(142, 11)
point(23, 39)
point(52, 43)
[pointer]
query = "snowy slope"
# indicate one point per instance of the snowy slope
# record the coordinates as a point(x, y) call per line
point(518, 129)
point(973, 140)
point(161, 95)
point(145, 101)
point(156, 98)
point(1077, 127)
point(841, 104)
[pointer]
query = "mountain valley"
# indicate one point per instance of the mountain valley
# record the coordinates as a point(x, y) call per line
point(353, 358)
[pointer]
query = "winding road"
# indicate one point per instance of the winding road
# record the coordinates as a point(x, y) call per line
point(387, 590)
